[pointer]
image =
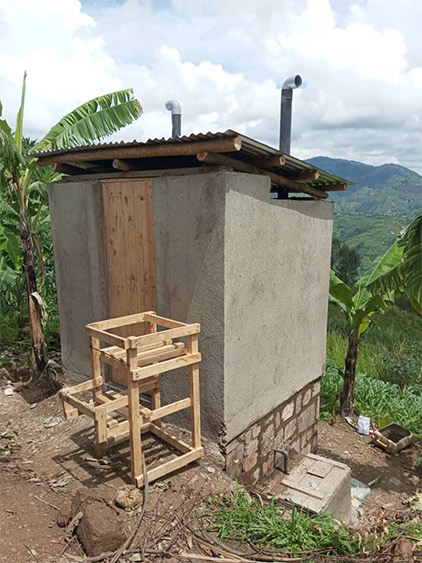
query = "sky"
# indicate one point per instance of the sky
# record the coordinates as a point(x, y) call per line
point(225, 61)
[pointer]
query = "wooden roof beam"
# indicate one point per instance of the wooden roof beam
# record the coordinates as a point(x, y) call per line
point(335, 188)
point(270, 162)
point(241, 166)
point(232, 144)
point(68, 169)
point(123, 165)
point(306, 175)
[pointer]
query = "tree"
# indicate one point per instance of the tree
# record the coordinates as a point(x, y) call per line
point(397, 272)
point(345, 261)
point(18, 177)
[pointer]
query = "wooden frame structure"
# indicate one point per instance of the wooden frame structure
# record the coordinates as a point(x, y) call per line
point(141, 360)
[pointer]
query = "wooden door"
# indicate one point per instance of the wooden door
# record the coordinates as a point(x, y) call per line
point(130, 249)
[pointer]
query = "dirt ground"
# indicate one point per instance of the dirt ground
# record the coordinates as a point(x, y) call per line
point(44, 459)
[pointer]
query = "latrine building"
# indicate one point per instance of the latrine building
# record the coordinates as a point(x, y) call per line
point(217, 229)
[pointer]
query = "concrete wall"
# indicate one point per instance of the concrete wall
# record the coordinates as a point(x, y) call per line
point(255, 273)
point(77, 225)
point(189, 239)
point(277, 265)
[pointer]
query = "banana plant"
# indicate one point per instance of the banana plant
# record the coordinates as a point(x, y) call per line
point(399, 271)
point(21, 179)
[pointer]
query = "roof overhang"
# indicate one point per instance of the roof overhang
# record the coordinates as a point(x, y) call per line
point(157, 157)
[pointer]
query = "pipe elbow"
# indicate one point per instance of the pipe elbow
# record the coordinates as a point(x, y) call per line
point(292, 82)
point(174, 107)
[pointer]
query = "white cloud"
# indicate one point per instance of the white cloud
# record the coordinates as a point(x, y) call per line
point(225, 62)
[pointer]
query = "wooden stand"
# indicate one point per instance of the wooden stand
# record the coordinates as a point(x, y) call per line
point(141, 360)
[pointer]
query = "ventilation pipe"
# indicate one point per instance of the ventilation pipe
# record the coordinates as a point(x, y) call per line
point(176, 117)
point(286, 111)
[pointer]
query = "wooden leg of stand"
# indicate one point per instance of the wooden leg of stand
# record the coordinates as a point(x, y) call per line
point(95, 368)
point(156, 401)
point(135, 419)
point(100, 432)
point(194, 394)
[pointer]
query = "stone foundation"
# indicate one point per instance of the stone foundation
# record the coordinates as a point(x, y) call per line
point(292, 426)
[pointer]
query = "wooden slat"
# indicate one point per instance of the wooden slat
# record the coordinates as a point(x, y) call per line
point(169, 409)
point(168, 352)
point(171, 440)
point(165, 366)
point(121, 433)
point(223, 160)
point(85, 386)
point(136, 341)
point(170, 466)
point(118, 321)
point(145, 151)
point(80, 405)
point(107, 337)
point(163, 321)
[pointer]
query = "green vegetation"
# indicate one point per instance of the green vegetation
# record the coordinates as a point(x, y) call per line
point(370, 235)
point(238, 517)
point(391, 348)
point(397, 273)
point(388, 189)
point(345, 261)
point(23, 203)
point(381, 401)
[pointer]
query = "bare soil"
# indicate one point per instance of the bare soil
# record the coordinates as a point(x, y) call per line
point(44, 459)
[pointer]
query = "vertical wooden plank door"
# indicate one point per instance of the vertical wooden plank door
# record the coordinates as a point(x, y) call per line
point(130, 249)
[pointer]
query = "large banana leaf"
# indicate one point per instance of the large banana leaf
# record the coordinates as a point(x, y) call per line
point(341, 293)
point(400, 268)
point(10, 155)
point(93, 120)
point(19, 119)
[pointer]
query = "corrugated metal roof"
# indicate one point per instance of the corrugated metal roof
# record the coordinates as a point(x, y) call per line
point(250, 149)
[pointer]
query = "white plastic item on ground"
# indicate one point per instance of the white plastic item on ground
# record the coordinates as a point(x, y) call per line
point(364, 424)
point(9, 391)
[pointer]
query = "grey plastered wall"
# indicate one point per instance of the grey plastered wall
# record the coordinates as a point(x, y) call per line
point(277, 266)
point(255, 273)
point(77, 226)
point(189, 241)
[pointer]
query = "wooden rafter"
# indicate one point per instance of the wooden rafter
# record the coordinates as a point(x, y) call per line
point(291, 185)
point(231, 144)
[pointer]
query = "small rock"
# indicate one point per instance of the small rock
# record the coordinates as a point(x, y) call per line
point(64, 515)
point(9, 391)
point(210, 469)
point(128, 497)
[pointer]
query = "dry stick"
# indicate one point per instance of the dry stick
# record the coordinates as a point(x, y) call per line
point(127, 544)
point(47, 503)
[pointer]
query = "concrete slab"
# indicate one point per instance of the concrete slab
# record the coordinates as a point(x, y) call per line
point(317, 484)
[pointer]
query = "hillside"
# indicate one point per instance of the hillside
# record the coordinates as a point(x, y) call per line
point(388, 189)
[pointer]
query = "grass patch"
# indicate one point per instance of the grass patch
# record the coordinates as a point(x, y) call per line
point(238, 517)
point(381, 401)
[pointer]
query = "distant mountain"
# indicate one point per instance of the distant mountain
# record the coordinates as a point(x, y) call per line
point(388, 189)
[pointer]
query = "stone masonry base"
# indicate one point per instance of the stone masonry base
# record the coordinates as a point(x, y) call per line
point(292, 426)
